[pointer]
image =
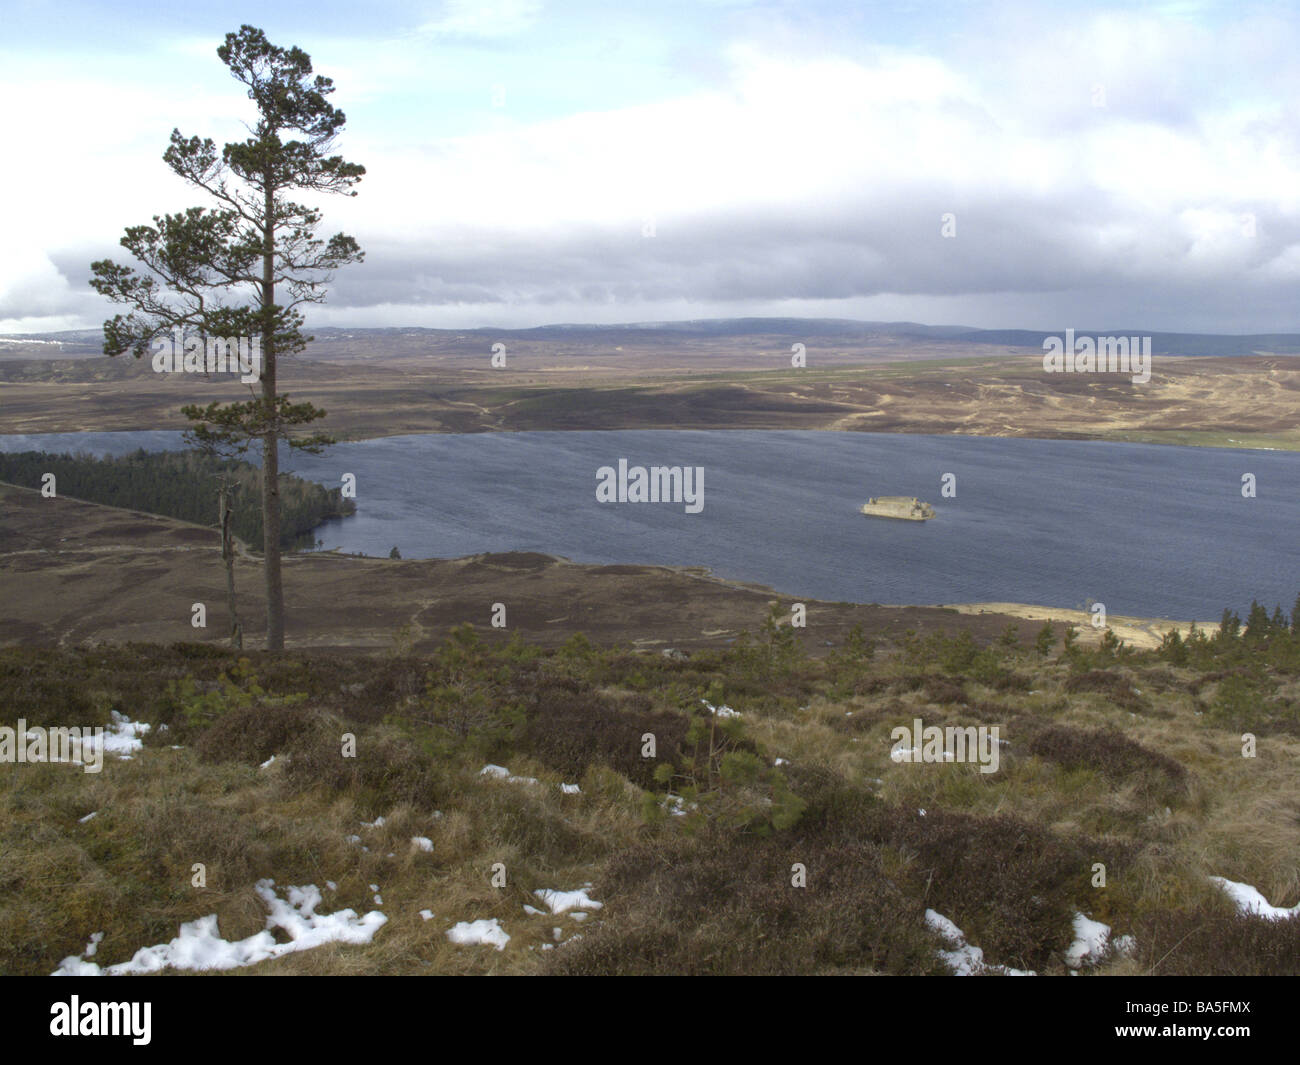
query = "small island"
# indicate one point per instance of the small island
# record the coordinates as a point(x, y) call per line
point(906, 508)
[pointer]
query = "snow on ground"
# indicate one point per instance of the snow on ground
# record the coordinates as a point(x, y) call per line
point(964, 959)
point(570, 789)
point(90, 816)
point(1090, 941)
point(563, 901)
point(268, 763)
point(423, 842)
point(427, 914)
point(500, 772)
point(1250, 901)
point(488, 932)
point(199, 946)
point(123, 737)
point(676, 805)
point(378, 822)
point(720, 711)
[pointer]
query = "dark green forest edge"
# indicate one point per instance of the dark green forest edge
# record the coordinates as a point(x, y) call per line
point(1130, 759)
point(182, 485)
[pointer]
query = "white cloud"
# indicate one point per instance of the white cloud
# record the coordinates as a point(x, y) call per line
point(796, 175)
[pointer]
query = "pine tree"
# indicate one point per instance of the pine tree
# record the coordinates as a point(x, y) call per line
point(1256, 622)
point(1229, 625)
point(253, 244)
point(1045, 639)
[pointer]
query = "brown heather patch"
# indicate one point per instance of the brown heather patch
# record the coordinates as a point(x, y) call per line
point(253, 734)
point(1106, 751)
point(568, 731)
point(1213, 940)
point(1116, 687)
point(389, 767)
point(722, 905)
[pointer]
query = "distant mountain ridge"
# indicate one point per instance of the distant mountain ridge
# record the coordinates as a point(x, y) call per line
point(88, 341)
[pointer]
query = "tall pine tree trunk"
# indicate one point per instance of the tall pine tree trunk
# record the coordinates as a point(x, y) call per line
point(270, 441)
point(228, 557)
point(271, 543)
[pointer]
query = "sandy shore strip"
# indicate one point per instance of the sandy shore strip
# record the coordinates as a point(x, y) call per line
point(1143, 633)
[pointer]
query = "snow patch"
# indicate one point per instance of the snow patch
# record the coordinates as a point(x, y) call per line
point(964, 959)
point(500, 772)
point(199, 946)
point(1251, 901)
point(563, 901)
point(123, 737)
point(1090, 942)
point(488, 933)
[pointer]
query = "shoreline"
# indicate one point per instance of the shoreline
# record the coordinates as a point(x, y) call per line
point(1143, 633)
point(349, 437)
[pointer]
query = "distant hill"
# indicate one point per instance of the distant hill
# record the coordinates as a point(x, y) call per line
point(85, 342)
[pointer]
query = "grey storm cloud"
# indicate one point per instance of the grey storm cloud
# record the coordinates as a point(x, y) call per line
point(861, 247)
point(860, 250)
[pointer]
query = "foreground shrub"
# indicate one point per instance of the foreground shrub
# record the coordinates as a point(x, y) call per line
point(718, 906)
point(723, 903)
point(388, 765)
point(1213, 941)
point(568, 731)
point(1117, 688)
point(1108, 752)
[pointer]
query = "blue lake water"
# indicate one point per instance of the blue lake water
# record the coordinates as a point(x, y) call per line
point(1147, 530)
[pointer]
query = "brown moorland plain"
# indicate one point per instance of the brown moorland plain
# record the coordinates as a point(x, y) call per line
point(890, 384)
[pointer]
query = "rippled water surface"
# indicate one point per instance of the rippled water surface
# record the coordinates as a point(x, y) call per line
point(1147, 530)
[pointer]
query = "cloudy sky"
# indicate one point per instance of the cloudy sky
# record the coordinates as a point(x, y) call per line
point(1128, 165)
